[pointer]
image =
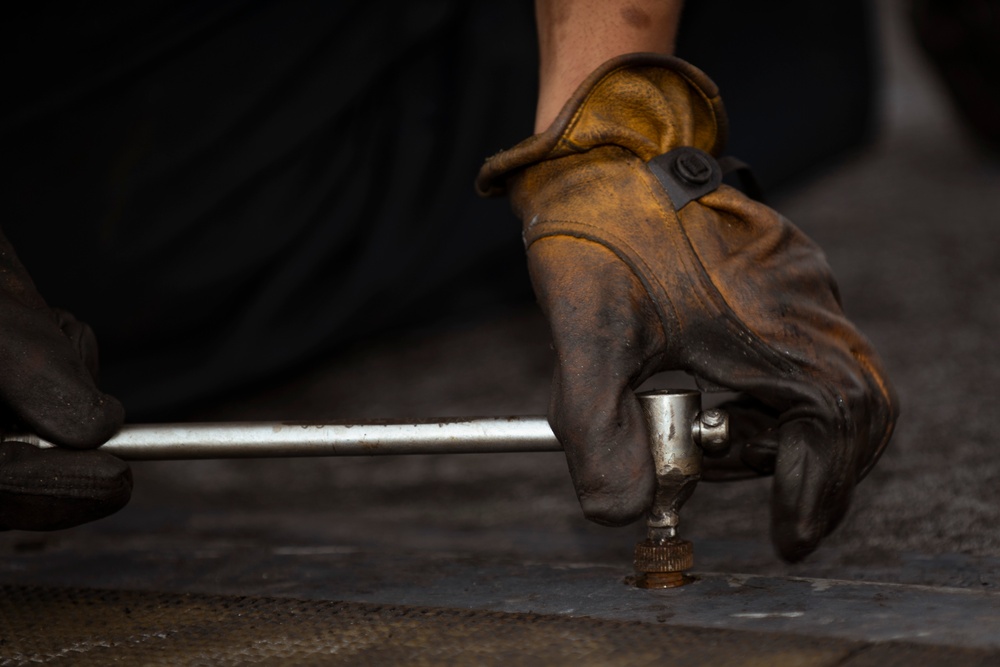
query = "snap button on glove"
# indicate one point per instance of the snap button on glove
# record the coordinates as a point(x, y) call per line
point(642, 262)
point(47, 386)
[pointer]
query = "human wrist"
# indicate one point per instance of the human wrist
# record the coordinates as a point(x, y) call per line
point(576, 36)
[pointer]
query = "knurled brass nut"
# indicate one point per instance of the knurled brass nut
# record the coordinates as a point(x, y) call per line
point(672, 556)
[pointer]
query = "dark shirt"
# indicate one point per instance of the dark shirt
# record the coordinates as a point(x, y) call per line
point(224, 189)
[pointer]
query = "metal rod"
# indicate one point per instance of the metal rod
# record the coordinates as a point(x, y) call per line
point(169, 442)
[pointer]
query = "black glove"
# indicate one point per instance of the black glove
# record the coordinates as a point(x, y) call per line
point(48, 367)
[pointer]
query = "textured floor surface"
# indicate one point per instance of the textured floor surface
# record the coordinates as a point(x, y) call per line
point(910, 227)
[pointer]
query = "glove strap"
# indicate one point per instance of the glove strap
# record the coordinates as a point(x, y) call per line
point(687, 173)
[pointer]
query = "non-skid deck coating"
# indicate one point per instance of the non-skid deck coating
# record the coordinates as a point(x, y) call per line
point(104, 627)
point(396, 575)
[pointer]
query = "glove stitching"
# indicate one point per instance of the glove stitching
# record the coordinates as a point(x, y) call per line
point(611, 242)
point(772, 357)
point(767, 354)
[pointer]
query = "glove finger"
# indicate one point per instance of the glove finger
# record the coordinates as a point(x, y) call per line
point(812, 488)
point(48, 388)
point(835, 421)
point(810, 444)
point(601, 333)
point(604, 434)
point(58, 488)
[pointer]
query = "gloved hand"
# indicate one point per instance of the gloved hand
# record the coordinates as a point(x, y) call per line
point(642, 262)
point(47, 387)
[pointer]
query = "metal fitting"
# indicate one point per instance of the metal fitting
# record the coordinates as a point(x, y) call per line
point(678, 433)
point(713, 432)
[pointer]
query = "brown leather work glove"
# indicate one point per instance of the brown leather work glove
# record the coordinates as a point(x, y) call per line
point(643, 262)
point(47, 387)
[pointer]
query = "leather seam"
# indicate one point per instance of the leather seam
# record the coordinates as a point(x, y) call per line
point(767, 353)
point(611, 242)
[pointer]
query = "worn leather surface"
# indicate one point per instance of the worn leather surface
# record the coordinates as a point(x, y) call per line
point(726, 289)
point(48, 387)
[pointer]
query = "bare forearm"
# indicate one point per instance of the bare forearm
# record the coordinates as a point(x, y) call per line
point(576, 36)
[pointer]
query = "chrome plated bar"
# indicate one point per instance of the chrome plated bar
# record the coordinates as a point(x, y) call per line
point(167, 442)
point(676, 430)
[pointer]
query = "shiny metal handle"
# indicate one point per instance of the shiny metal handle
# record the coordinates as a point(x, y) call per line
point(171, 442)
point(165, 442)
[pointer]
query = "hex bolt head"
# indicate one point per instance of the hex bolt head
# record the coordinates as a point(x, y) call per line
point(713, 432)
point(711, 418)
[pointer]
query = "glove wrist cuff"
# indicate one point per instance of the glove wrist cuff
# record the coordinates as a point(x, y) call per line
point(645, 103)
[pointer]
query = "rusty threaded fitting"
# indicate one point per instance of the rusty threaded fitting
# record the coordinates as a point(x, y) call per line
point(662, 565)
